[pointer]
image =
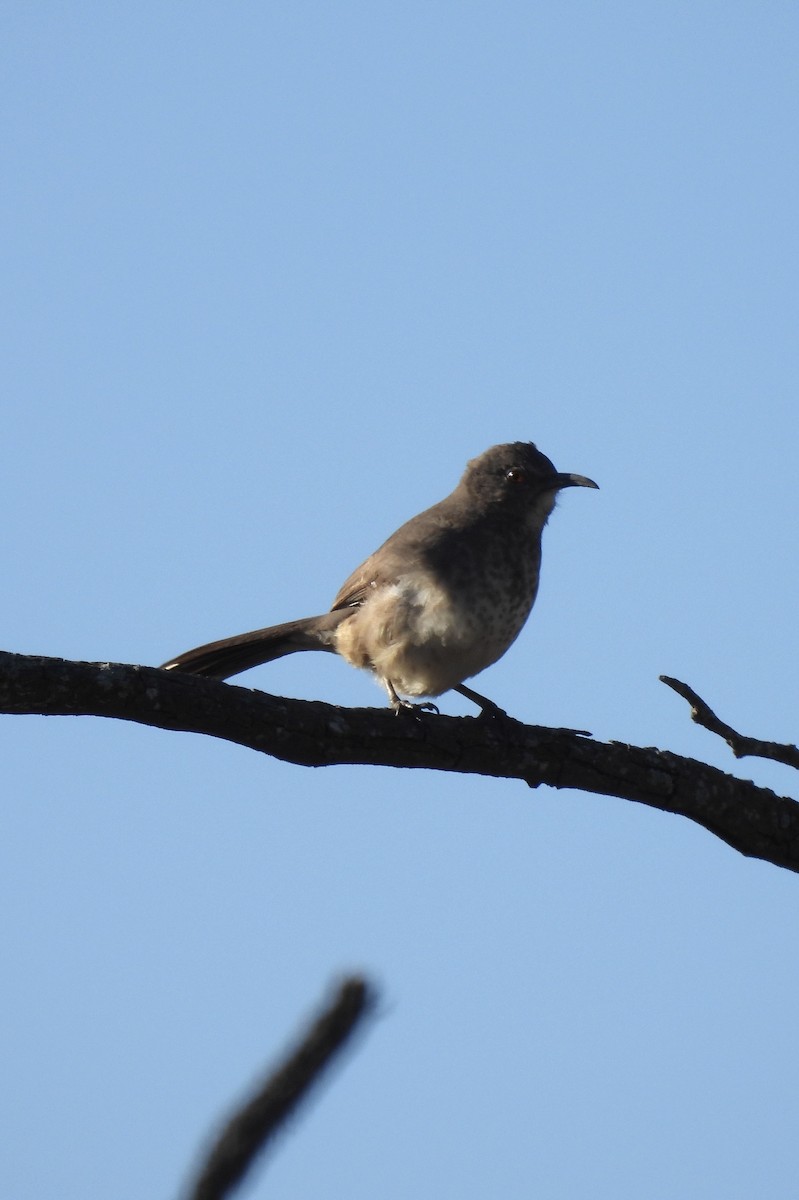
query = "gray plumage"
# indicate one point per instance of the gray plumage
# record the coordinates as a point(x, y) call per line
point(438, 602)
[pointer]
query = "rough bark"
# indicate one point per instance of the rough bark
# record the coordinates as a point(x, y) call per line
point(752, 819)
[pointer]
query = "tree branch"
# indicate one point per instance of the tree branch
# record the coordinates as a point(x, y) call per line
point(739, 743)
point(253, 1124)
point(751, 819)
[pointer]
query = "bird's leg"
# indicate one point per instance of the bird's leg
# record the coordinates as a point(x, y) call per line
point(487, 707)
point(399, 705)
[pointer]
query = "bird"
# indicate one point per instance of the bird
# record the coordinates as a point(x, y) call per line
point(442, 599)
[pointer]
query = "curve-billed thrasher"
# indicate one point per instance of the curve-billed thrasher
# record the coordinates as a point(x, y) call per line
point(441, 600)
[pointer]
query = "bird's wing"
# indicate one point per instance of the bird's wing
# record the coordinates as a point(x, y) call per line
point(361, 582)
point(409, 546)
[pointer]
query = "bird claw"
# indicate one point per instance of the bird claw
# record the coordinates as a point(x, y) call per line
point(406, 706)
point(492, 712)
point(489, 711)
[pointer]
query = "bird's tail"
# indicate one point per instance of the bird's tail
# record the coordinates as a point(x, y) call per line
point(219, 660)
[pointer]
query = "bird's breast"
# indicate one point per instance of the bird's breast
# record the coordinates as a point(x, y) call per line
point(430, 630)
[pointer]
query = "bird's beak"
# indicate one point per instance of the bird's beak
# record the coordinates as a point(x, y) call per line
point(566, 480)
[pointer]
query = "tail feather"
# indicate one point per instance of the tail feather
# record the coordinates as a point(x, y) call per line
point(220, 660)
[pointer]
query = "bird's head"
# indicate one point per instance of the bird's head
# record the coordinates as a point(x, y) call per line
point(519, 479)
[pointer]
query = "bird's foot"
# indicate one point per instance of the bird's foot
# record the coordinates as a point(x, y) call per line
point(492, 712)
point(405, 706)
point(488, 709)
point(399, 705)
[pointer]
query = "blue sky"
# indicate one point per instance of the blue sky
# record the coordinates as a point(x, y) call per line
point(272, 274)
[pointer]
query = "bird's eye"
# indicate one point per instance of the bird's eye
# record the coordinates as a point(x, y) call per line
point(514, 475)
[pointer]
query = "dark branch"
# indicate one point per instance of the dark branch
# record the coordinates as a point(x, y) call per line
point(752, 819)
point(739, 743)
point(251, 1127)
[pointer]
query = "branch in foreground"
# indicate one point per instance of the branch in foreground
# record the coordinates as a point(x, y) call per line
point(751, 819)
point(251, 1127)
point(739, 743)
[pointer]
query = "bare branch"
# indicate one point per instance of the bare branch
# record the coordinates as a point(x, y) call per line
point(751, 819)
point(739, 743)
point(252, 1125)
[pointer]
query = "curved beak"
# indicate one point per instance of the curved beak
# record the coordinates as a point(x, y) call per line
point(567, 480)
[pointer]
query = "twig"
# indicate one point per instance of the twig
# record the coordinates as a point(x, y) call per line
point(741, 745)
point(251, 1126)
